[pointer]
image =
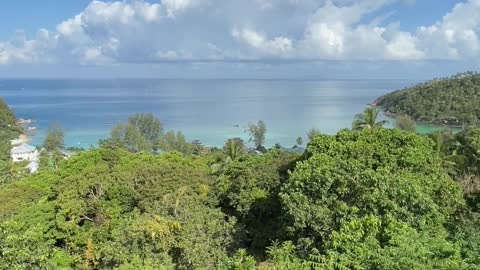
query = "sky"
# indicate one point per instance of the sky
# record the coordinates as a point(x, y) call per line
point(298, 39)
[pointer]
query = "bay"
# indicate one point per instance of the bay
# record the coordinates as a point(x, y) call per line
point(207, 110)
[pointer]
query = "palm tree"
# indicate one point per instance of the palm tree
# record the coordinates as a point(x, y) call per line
point(448, 148)
point(368, 120)
point(233, 148)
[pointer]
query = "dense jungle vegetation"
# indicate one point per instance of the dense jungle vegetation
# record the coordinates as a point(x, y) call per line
point(8, 130)
point(366, 198)
point(454, 100)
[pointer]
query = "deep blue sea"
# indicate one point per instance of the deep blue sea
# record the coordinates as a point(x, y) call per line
point(205, 110)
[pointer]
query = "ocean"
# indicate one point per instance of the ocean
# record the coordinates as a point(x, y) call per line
point(207, 110)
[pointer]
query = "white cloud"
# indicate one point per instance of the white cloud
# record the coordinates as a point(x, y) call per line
point(137, 31)
point(279, 46)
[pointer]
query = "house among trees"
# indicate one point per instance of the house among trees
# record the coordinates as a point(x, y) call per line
point(24, 152)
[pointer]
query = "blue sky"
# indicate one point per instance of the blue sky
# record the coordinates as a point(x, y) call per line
point(239, 38)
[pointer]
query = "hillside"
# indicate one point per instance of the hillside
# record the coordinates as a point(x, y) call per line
point(454, 100)
point(8, 130)
point(8, 126)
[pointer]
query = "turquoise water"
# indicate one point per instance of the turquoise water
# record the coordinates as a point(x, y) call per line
point(207, 110)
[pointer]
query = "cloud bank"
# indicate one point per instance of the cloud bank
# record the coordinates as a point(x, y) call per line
point(138, 31)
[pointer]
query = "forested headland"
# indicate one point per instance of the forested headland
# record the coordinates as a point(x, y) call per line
point(365, 198)
point(453, 101)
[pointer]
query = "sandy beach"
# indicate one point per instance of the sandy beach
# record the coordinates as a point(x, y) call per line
point(23, 138)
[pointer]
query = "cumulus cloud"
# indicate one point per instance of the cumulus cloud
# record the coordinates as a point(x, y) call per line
point(138, 31)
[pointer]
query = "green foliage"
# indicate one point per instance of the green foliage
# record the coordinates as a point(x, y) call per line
point(405, 122)
point(248, 189)
point(54, 138)
point(11, 171)
point(240, 261)
point(8, 127)
point(175, 141)
point(8, 130)
point(107, 209)
point(368, 119)
point(234, 148)
point(374, 242)
point(142, 132)
point(382, 179)
point(129, 137)
point(451, 100)
point(148, 125)
point(368, 199)
point(50, 160)
point(257, 133)
point(312, 133)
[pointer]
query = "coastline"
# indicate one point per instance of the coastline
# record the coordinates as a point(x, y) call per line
point(22, 138)
point(425, 124)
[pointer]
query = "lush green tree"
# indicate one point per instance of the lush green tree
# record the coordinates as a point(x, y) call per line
point(129, 137)
point(248, 190)
point(51, 160)
point(240, 261)
point(175, 141)
point(234, 148)
point(372, 200)
point(368, 119)
point(11, 171)
point(8, 126)
point(111, 209)
point(54, 138)
point(148, 125)
point(405, 122)
point(257, 133)
point(5, 147)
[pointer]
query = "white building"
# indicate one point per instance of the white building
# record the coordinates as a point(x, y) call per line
point(24, 152)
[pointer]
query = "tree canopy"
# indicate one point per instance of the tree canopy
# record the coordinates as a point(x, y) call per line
point(257, 133)
point(452, 100)
point(371, 200)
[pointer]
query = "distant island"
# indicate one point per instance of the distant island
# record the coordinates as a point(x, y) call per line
point(450, 101)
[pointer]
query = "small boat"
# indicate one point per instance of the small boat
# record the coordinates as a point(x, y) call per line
point(31, 128)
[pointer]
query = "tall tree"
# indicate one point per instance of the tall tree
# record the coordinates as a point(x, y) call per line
point(234, 148)
point(175, 141)
point(257, 133)
point(54, 138)
point(129, 137)
point(405, 122)
point(368, 119)
point(355, 198)
point(148, 125)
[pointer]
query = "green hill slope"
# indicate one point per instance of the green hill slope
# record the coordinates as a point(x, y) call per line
point(8, 126)
point(453, 101)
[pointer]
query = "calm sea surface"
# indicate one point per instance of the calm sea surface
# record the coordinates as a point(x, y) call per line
point(207, 110)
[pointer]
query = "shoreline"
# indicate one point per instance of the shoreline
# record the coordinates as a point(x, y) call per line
point(22, 138)
point(422, 123)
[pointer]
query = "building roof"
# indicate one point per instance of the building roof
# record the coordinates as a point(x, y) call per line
point(23, 149)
